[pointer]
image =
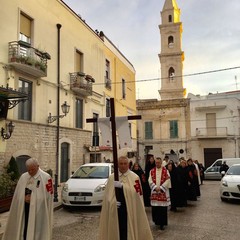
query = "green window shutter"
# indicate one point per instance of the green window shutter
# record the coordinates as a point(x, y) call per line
point(174, 129)
point(148, 130)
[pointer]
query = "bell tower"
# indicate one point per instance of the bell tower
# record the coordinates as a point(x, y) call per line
point(171, 56)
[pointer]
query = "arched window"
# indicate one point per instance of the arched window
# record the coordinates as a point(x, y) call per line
point(169, 18)
point(171, 73)
point(170, 41)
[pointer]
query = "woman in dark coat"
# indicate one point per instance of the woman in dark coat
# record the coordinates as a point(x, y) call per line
point(177, 191)
point(136, 168)
point(183, 179)
point(150, 164)
point(192, 181)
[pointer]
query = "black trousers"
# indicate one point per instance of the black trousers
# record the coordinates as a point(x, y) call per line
point(122, 215)
point(26, 220)
point(160, 215)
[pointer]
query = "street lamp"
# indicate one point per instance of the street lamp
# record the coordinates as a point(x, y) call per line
point(7, 133)
point(65, 109)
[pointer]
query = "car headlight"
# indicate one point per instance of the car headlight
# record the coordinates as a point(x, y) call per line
point(100, 188)
point(65, 187)
point(224, 183)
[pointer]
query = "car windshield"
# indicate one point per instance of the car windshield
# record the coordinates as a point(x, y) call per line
point(92, 172)
point(234, 170)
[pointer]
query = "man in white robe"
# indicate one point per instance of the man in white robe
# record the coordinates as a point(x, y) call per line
point(131, 200)
point(159, 181)
point(31, 212)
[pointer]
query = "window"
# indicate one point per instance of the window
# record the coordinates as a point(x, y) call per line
point(25, 108)
point(25, 28)
point(79, 61)
point(171, 73)
point(123, 89)
point(79, 113)
point(107, 76)
point(108, 108)
point(169, 18)
point(173, 129)
point(130, 129)
point(148, 130)
point(95, 140)
point(107, 69)
point(211, 124)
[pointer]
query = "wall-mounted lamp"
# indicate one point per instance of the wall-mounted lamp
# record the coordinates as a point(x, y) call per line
point(7, 133)
point(65, 109)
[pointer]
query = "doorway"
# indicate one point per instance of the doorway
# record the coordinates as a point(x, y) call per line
point(211, 155)
point(64, 162)
point(21, 160)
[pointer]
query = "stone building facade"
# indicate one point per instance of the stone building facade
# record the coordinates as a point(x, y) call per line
point(52, 55)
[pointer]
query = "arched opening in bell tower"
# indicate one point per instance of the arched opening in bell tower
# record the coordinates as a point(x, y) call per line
point(171, 73)
point(170, 41)
point(169, 18)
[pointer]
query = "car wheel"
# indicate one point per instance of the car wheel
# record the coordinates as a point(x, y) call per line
point(68, 208)
point(224, 199)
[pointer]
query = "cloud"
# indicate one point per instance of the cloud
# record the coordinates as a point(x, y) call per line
point(210, 38)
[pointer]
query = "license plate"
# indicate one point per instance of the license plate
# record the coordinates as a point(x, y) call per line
point(79, 198)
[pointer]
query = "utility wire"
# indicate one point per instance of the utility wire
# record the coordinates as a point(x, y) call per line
point(185, 75)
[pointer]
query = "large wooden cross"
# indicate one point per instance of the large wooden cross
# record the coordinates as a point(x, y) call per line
point(114, 136)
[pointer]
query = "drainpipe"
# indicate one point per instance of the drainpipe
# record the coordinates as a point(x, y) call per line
point(58, 113)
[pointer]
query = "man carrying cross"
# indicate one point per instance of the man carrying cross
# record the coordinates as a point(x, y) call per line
point(124, 217)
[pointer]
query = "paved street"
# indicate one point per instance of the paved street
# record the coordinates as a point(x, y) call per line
point(208, 218)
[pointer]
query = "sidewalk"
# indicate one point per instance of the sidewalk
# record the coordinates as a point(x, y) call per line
point(4, 216)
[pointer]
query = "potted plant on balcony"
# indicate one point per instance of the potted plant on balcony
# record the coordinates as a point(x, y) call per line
point(8, 182)
point(30, 61)
point(14, 56)
point(43, 66)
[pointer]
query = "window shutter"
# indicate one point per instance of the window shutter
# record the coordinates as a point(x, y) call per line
point(25, 26)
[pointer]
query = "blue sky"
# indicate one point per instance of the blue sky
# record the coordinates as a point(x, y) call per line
point(210, 40)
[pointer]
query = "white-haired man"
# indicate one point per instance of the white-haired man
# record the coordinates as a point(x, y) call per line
point(124, 218)
point(31, 210)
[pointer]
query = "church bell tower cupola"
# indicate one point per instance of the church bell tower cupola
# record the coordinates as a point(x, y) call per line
point(171, 56)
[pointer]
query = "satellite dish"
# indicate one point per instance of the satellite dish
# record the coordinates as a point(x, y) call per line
point(181, 151)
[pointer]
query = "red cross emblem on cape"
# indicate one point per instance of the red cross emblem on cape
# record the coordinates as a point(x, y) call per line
point(49, 186)
point(137, 187)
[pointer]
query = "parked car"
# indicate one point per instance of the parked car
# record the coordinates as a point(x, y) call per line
point(213, 172)
point(230, 184)
point(86, 186)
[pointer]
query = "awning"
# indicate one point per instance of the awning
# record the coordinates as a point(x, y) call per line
point(13, 96)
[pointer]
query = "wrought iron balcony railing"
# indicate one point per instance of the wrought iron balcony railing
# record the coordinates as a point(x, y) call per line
point(108, 83)
point(27, 59)
point(81, 83)
point(212, 132)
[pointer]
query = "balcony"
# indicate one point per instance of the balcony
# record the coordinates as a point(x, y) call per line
point(108, 83)
point(81, 84)
point(214, 132)
point(28, 60)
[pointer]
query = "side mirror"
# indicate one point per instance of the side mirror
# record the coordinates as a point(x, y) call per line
point(223, 172)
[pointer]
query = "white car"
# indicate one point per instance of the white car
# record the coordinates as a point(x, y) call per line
point(86, 186)
point(230, 184)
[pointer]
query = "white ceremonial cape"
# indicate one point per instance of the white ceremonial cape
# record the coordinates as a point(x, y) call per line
point(138, 225)
point(40, 210)
point(160, 177)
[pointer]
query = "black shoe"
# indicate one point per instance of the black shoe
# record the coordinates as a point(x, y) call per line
point(173, 209)
point(162, 227)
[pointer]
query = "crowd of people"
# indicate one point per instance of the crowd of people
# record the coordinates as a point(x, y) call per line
point(185, 178)
point(164, 185)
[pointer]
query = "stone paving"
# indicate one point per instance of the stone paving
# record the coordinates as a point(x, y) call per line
point(4, 216)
